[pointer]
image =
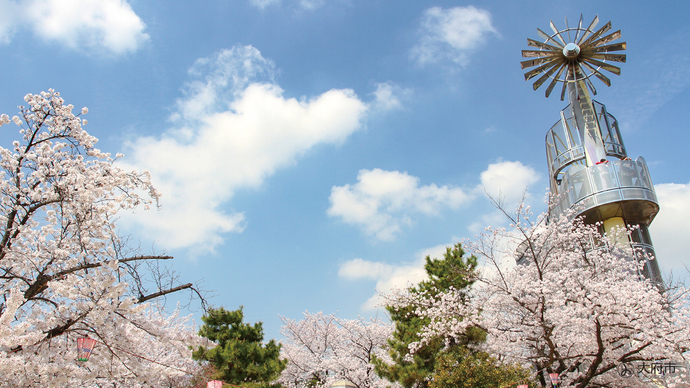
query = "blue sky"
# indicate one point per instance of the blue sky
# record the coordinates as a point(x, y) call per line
point(312, 152)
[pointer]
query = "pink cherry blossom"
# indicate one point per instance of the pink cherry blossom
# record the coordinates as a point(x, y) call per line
point(577, 306)
point(323, 349)
point(66, 273)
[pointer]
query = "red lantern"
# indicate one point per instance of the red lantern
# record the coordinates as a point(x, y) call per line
point(214, 384)
point(554, 378)
point(84, 348)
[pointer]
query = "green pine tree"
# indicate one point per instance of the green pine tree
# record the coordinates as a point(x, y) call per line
point(462, 368)
point(240, 357)
point(454, 271)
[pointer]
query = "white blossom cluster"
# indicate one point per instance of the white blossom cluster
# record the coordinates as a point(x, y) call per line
point(322, 349)
point(62, 271)
point(578, 308)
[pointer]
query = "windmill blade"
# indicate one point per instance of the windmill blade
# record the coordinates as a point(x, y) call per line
point(546, 75)
point(609, 57)
point(576, 67)
point(590, 84)
point(613, 69)
point(563, 91)
point(535, 62)
point(568, 77)
point(608, 38)
point(604, 49)
point(534, 72)
point(596, 72)
point(555, 80)
point(597, 34)
point(589, 30)
point(579, 28)
point(538, 44)
point(536, 53)
point(547, 37)
point(558, 34)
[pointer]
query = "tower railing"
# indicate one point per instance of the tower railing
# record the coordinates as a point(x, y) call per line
point(564, 146)
point(609, 182)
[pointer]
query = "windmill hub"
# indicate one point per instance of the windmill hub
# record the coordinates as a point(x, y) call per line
point(573, 59)
point(571, 50)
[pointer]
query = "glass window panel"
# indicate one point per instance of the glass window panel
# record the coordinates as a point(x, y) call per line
point(627, 173)
point(615, 131)
point(633, 194)
point(603, 177)
point(645, 179)
point(578, 183)
point(609, 196)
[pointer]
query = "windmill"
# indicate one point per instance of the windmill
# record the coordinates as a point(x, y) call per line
point(589, 168)
point(574, 61)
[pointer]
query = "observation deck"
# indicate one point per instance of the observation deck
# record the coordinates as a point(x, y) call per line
point(615, 187)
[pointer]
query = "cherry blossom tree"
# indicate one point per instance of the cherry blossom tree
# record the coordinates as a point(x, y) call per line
point(65, 272)
point(576, 305)
point(322, 349)
point(443, 361)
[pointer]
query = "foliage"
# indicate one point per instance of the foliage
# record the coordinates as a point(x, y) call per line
point(441, 361)
point(323, 349)
point(239, 357)
point(577, 307)
point(64, 271)
point(452, 272)
point(464, 368)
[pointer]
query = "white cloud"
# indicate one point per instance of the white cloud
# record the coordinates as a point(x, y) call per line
point(669, 229)
point(382, 202)
point(388, 277)
point(307, 5)
point(231, 132)
point(263, 3)
point(311, 4)
point(220, 79)
point(507, 180)
point(451, 34)
point(85, 25)
point(363, 269)
point(8, 20)
point(387, 96)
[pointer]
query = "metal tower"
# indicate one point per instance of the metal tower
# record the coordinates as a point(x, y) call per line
point(589, 168)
